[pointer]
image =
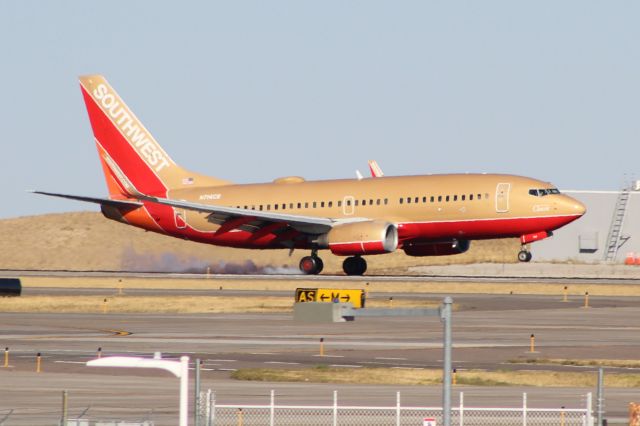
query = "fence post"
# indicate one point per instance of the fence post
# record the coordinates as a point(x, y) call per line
point(398, 408)
point(272, 408)
point(461, 411)
point(600, 397)
point(524, 409)
point(335, 408)
point(589, 409)
point(196, 394)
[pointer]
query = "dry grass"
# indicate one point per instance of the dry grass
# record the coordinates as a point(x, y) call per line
point(381, 376)
point(576, 291)
point(88, 241)
point(144, 304)
point(619, 363)
point(163, 304)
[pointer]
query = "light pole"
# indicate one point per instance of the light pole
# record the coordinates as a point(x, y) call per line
point(179, 369)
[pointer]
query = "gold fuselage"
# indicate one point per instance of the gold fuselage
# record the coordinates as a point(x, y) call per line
point(402, 200)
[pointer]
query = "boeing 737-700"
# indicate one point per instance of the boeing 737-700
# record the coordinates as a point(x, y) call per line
point(428, 215)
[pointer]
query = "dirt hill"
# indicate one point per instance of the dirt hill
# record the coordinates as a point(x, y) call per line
point(88, 241)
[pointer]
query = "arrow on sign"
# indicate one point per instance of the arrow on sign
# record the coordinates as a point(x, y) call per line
point(346, 298)
point(324, 297)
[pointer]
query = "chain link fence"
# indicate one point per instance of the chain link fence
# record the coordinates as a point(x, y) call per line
point(336, 415)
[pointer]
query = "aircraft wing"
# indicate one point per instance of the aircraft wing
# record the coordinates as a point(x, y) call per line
point(223, 214)
point(96, 200)
point(228, 217)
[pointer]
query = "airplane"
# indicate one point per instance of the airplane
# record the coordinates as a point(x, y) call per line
point(430, 215)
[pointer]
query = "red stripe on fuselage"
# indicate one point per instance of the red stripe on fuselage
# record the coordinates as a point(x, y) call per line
point(469, 229)
point(484, 228)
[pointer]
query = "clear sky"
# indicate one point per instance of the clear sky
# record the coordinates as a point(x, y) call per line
point(253, 90)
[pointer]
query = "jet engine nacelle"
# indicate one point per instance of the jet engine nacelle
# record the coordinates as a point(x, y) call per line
point(437, 248)
point(370, 237)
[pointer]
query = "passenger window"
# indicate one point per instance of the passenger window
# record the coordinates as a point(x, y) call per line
point(299, 205)
point(314, 204)
point(322, 204)
point(424, 199)
point(463, 197)
point(479, 196)
point(401, 199)
point(275, 207)
point(364, 202)
point(439, 198)
point(417, 199)
point(431, 199)
point(471, 197)
point(378, 202)
point(408, 200)
point(455, 198)
point(260, 207)
point(348, 202)
point(290, 205)
point(386, 201)
point(306, 205)
point(268, 206)
point(339, 203)
point(330, 203)
point(486, 196)
point(447, 199)
point(355, 203)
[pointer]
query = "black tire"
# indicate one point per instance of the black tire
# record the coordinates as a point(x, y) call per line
point(354, 265)
point(309, 265)
point(319, 264)
point(524, 256)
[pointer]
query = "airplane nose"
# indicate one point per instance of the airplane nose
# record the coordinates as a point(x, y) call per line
point(575, 207)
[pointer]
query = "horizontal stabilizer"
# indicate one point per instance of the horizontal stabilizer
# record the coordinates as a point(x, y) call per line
point(101, 201)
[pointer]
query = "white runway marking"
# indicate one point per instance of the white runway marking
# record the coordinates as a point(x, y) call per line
point(345, 366)
point(70, 362)
point(391, 359)
point(264, 353)
point(282, 362)
point(220, 360)
point(329, 356)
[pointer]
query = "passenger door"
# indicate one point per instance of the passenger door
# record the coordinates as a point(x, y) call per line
point(502, 197)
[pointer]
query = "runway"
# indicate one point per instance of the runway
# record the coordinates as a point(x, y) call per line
point(510, 277)
point(489, 333)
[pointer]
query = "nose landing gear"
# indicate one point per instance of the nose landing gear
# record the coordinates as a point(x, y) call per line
point(524, 255)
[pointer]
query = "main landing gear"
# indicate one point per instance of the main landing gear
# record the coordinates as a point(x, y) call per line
point(354, 265)
point(311, 265)
point(524, 255)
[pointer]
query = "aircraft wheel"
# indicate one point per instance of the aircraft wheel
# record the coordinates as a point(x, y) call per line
point(354, 265)
point(311, 265)
point(524, 256)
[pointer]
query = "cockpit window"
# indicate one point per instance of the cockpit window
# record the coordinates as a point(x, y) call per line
point(543, 192)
